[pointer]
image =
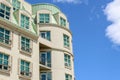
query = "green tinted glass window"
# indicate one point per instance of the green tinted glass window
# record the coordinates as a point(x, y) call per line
point(16, 4)
point(44, 18)
point(4, 61)
point(45, 58)
point(45, 35)
point(45, 76)
point(62, 21)
point(67, 60)
point(4, 11)
point(68, 77)
point(4, 36)
point(24, 21)
point(66, 41)
point(25, 68)
point(25, 44)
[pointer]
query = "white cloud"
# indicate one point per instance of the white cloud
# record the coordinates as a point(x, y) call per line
point(112, 12)
point(68, 1)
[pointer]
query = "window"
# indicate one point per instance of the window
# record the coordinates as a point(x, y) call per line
point(25, 68)
point(44, 18)
point(4, 36)
point(67, 60)
point(4, 61)
point(68, 77)
point(25, 44)
point(45, 76)
point(24, 21)
point(45, 34)
point(45, 58)
point(4, 11)
point(62, 22)
point(66, 41)
point(16, 4)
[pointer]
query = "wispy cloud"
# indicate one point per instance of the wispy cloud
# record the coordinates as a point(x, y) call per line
point(112, 12)
point(68, 1)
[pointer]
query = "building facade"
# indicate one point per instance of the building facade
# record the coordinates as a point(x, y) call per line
point(35, 42)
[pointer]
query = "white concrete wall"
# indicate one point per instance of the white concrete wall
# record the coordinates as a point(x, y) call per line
point(15, 53)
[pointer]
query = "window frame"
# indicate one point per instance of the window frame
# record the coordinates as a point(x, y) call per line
point(24, 74)
point(26, 24)
point(66, 41)
point(48, 60)
point(47, 35)
point(4, 36)
point(6, 11)
point(15, 4)
point(63, 21)
point(44, 20)
point(67, 60)
point(8, 66)
point(69, 76)
point(46, 74)
point(29, 52)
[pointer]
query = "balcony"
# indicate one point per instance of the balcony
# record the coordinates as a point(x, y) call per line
point(44, 65)
point(5, 42)
point(26, 49)
point(45, 60)
point(25, 75)
point(4, 68)
point(45, 43)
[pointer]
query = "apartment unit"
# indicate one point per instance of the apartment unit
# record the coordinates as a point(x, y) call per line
point(35, 42)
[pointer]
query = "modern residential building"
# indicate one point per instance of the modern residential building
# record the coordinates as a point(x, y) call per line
point(35, 42)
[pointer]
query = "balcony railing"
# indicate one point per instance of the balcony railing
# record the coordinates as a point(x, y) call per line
point(44, 62)
point(25, 73)
point(24, 48)
point(4, 67)
point(6, 41)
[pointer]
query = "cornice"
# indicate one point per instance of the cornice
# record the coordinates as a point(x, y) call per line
point(54, 25)
point(61, 50)
point(13, 27)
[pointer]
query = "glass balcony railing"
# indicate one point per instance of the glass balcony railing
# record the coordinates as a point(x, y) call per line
point(45, 62)
point(45, 58)
point(45, 76)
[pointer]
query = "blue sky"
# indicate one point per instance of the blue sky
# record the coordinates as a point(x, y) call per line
point(95, 25)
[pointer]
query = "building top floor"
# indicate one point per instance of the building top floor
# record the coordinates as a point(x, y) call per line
point(29, 16)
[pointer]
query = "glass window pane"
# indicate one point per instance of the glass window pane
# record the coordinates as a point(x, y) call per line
point(4, 11)
point(5, 57)
point(5, 62)
point(27, 64)
point(1, 29)
point(24, 21)
point(2, 6)
point(49, 76)
point(44, 18)
point(1, 55)
point(22, 68)
point(43, 76)
point(22, 62)
point(7, 8)
point(1, 61)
